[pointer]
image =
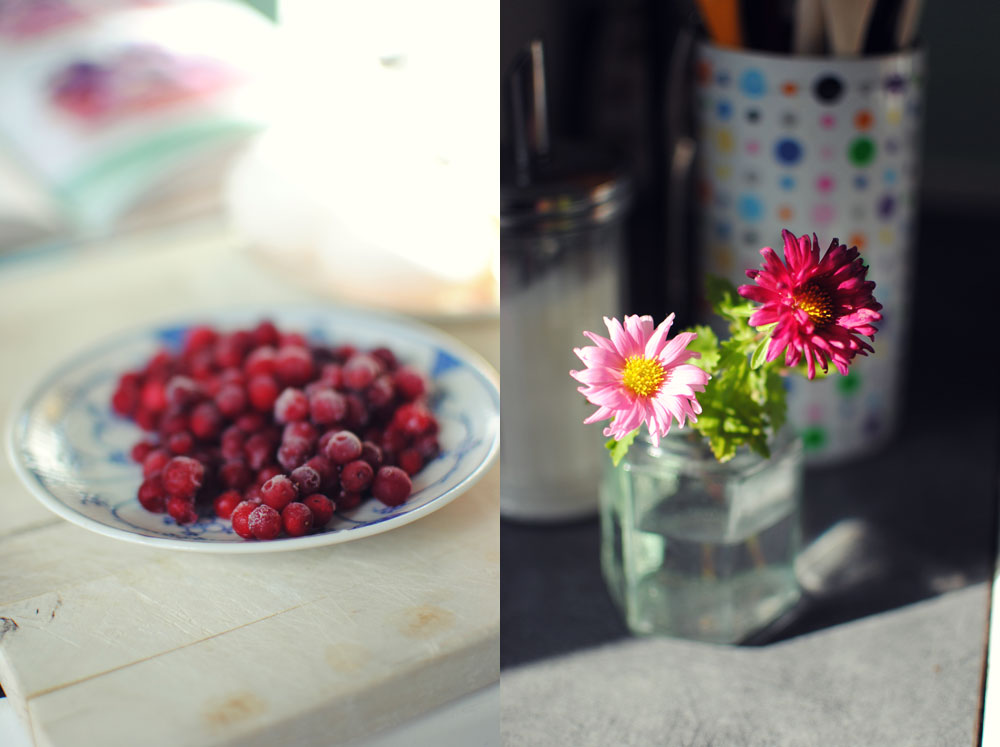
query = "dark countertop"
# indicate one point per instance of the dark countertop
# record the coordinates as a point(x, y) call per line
point(922, 510)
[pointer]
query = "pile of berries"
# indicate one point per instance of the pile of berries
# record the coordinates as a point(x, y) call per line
point(273, 432)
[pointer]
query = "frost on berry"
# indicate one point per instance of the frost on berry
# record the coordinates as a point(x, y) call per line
point(291, 405)
point(278, 492)
point(182, 476)
point(264, 522)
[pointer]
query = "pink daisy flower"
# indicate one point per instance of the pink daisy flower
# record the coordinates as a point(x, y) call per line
point(821, 305)
point(639, 376)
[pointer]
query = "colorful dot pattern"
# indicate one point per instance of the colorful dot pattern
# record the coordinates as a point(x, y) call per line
point(826, 146)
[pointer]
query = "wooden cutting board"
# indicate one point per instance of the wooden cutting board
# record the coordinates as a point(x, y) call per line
point(108, 643)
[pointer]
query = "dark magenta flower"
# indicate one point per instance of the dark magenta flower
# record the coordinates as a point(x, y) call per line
point(820, 306)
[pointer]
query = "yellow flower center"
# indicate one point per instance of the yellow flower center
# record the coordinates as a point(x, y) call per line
point(816, 303)
point(643, 375)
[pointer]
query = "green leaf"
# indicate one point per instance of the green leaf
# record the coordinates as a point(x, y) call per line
point(619, 449)
point(707, 344)
point(759, 356)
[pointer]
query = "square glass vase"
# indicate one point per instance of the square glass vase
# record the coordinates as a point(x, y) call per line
point(700, 549)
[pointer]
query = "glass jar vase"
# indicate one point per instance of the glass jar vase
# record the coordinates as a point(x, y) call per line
point(698, 549)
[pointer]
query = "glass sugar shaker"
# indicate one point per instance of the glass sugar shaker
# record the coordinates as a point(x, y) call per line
point(562, 210)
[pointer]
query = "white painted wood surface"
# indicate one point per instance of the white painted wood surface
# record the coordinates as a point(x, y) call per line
point(108, 643)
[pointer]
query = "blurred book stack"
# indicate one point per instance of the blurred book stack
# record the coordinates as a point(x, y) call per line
point(121, 114)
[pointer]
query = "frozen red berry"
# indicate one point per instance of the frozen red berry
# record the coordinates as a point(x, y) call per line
point(264, 522)
point(327, 407)
point(266, 472)
point(343, 353)
point(258, 450)
point(360, 371)
point(278, 492)
point(152, 496)
point(296, 339)
point(409, 384)
point(206, 420)
point(394, 439)
point(252, 494)
point(229, 351)
point(145, 419)
point(427, 446)
point(232, 376)
point(294, 453)
point(346, 500)
point(260, 362)
point(386, 357)
point(391, 486)
point(297, 518)
point(182, 476)
point(154, 462)
point(125, 399)
point(225, 503)
point(321, 507)
point(231, 443)
point(265, 333)
point(372, 454)
point(141, 450)
point(199, 338)
point(300, 430)
point(343, 447)
point(235, 473)
point(306, 479)
point(324, 467)
point(181, 510)
point(180, 443)
point(413, 419)
point(252, 422)
point(291, 405)
point(356, 476)
point(241, 517)
point(154, 396)
point(231, 399)
point(182, 391)
point(263, 391)
point(410, 461)
point(381, 392)
point(172, 421)
point(332, 374)
point(294, 365)
point(201, 365)
point(159, 365)
point(357, 412)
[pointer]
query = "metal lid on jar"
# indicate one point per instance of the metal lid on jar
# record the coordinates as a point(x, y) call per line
point(576, 186)
point(548, 185)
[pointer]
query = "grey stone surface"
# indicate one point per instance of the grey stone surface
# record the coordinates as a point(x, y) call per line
point(907, 677)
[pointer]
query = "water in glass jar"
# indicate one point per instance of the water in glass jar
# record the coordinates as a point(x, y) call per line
point(702, 554)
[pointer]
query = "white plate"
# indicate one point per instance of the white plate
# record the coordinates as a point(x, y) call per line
point(72, 451)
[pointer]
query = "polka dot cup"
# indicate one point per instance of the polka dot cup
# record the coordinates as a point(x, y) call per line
point(826, 146)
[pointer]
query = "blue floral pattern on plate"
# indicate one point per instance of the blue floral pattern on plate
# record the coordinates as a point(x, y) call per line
point(72, 451)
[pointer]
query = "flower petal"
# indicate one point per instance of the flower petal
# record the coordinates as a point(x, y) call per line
point(657, 340)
